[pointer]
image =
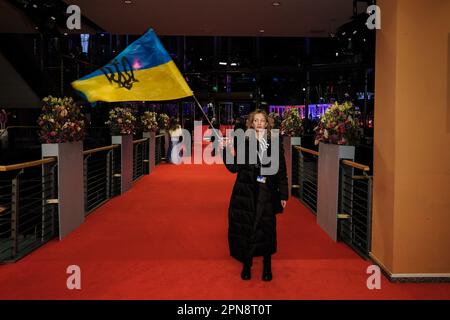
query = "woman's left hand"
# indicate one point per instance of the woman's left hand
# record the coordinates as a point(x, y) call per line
point(283, 203)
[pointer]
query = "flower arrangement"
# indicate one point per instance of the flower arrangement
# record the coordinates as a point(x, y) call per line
point(163, 121)
point(61, 121)
point(276, 120)
point(292, 124)
point(121, 121)
point(339, 125)
point(149, 121)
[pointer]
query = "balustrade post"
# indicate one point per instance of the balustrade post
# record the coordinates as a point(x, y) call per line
point(15, 214)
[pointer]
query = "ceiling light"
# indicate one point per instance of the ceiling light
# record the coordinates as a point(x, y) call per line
point(276, 4)
point(128, 2)
point(65, 33)
point(53, 18)
point(233, 64)
point(223, 63)
point(261, 31)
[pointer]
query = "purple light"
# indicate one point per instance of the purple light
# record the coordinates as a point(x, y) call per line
point(314, 110)
point(282, 109)
point(317, 110)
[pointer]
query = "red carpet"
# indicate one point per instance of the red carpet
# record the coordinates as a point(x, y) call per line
point(167, 239)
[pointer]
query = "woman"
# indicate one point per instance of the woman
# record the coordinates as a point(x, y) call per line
point(255, 200)
point(175, 133)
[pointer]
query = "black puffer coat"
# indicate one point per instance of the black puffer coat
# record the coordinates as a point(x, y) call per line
point(253, 205)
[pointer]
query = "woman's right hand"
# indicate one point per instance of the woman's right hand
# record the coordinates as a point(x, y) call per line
point(224, 142)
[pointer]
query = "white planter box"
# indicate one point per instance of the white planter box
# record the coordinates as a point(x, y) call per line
point(288, 143)
point(70, 183)
point(151, 150)
point(126, 161)
point(330, 156)
point(166, 143)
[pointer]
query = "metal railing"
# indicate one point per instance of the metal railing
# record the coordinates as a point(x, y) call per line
point(355, 197)
point(140, 158)
point(101, 170)
point(29, 192)
point(306, 161)
point(28, 214)
point(355, 206)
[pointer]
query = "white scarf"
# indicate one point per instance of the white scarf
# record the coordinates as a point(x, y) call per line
point(263, 146)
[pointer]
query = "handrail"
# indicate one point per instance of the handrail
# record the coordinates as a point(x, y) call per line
point(307, 150)
point(100, 149)
point(159, 135)
point(356, 165)
point(29, 164)
point(361, 177)
point(139, 141)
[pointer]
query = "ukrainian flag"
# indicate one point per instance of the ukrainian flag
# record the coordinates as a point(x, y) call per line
point(144, 71)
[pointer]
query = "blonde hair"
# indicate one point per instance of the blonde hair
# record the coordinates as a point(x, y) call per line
point(252, 115)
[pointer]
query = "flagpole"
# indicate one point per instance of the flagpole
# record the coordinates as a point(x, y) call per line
point(207, 119)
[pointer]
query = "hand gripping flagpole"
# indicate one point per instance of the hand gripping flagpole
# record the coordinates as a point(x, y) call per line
point(201, 109)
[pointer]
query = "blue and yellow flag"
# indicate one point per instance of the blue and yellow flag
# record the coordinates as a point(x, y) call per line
point(144, 71)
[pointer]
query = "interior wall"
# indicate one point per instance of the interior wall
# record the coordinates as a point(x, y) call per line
point(411, 212)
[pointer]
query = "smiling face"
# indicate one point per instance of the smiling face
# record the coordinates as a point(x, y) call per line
point(259, 122)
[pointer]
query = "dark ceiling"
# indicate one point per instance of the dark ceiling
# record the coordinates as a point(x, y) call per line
point(299, 18)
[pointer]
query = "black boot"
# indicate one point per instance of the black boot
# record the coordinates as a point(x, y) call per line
point(246, 270)
point(267, 268)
